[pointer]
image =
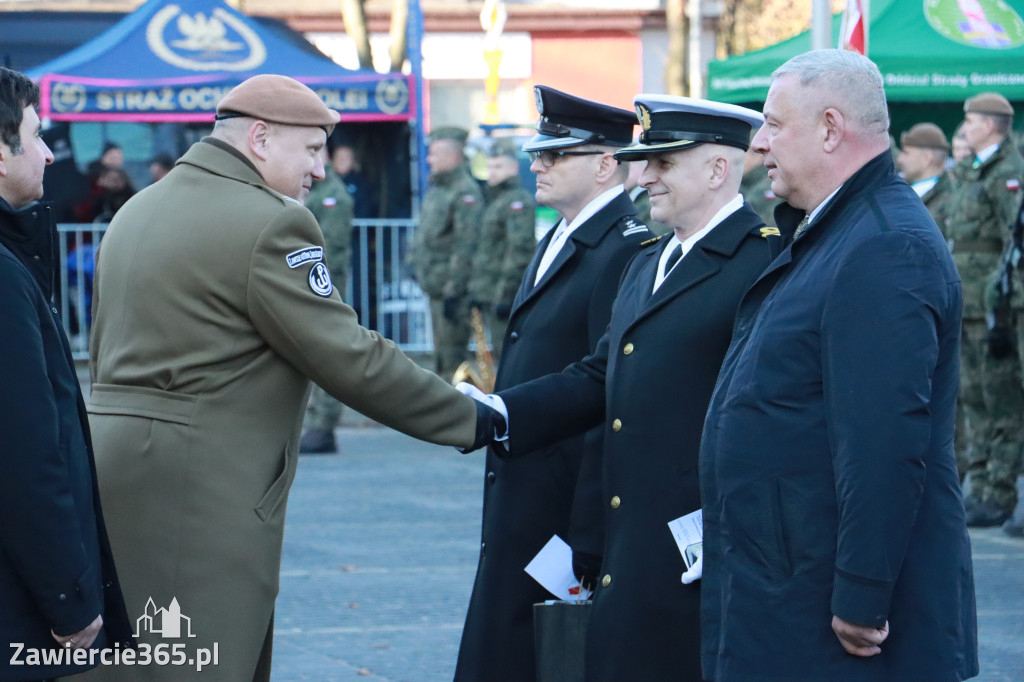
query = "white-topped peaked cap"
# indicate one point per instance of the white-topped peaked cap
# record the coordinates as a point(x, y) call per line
point(669, 123)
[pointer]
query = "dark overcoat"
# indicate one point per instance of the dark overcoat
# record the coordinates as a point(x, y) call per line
point(827, 470)
point(650, 380)
point(526, 501)
point(56, 569)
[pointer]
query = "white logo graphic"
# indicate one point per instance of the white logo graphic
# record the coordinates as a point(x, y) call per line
point(164, 622)
point(320, 280)
point(204, 44)
point(68, 97)
point(392, 96)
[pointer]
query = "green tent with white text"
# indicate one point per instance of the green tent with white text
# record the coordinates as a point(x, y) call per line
point(933, 54)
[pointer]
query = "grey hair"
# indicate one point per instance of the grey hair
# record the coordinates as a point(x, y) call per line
point(854, 80)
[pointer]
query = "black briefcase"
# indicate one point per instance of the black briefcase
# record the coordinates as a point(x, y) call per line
point(559, 631)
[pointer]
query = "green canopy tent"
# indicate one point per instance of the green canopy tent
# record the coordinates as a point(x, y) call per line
point(933, 54)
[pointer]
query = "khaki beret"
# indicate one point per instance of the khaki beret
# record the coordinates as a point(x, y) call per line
point(988, 103)
point(453, 133)
point(504, 146)
point(926, 135)
point(278, 99)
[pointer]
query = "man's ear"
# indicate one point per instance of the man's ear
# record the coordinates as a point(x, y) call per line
point(718, 169)
point(835, 129)
point(258, 139)
point(608, 167)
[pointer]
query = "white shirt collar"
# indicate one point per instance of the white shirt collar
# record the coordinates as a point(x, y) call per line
point(921, 187)
point(595, 205)
point(987, 152)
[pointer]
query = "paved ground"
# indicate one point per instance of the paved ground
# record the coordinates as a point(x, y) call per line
point(380, 553)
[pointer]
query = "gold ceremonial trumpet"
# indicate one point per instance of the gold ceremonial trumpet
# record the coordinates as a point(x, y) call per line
point(483, 375)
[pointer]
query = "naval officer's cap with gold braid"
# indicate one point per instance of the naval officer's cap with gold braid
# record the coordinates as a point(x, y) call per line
point(669, 123)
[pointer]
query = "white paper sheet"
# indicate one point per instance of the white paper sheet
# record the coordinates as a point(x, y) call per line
point(552, 568)
point(688, 532)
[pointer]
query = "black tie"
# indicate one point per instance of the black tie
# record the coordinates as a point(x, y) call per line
point(673, 258)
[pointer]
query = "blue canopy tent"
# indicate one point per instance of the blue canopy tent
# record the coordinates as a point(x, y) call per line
point(173, 60)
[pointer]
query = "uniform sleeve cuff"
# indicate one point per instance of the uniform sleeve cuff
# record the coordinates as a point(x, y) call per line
point(861, 601)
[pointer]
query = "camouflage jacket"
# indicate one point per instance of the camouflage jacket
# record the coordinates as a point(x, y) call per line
point(333, 207)
point(442, 248)
point(979, 214)
point(507, 243)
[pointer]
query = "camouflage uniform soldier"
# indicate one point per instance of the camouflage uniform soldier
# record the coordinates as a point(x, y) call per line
point(756, 187)
point(507, 241)
point(333, 207)
point(979, 214)
point(922, 160)
point(443, 247)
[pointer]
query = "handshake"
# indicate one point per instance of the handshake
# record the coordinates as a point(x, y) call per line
point(491, 417)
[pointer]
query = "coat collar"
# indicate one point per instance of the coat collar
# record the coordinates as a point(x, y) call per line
point(875, 173)
point(220, 158)
point(31, 235)
point(704, 259)
point(586, 236)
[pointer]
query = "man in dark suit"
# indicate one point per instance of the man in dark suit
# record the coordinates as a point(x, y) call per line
point(558, 315)
point(835, 544)
point(650, 380)
point(60, 599)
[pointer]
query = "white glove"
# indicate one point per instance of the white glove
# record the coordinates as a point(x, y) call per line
point(695, 572)
point(490, 400)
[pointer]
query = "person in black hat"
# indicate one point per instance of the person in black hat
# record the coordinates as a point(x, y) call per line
point(559, 313)
point(650, 381)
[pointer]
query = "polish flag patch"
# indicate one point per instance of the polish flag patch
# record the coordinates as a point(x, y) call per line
point(1013, 184)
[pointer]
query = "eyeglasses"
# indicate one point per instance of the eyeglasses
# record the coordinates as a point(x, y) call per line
point(549, 156)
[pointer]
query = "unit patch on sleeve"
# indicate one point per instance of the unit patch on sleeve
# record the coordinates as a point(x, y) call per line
point(320, 280)
point(311, 254)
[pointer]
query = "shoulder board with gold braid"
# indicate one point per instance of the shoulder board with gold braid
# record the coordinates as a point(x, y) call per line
point(653, 240)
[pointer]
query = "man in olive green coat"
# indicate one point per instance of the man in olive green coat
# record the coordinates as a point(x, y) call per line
point(979, 213)
point(214, 310)
point(443, 246)
point(507, 241)
point(333, 207)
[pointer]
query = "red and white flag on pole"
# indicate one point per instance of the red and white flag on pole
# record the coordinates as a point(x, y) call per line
point(853, 35)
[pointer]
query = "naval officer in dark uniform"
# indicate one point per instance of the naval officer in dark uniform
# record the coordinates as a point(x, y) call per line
point(650, 381)
point(558, 315)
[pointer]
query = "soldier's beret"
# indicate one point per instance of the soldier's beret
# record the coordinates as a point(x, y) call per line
point(569, 121)
point(926, 135)
point(989, 103)
point(504, 146)
point(669, 123)
point(278, 99)
point(453, 133)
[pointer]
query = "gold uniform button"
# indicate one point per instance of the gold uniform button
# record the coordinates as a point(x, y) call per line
point(627, 349)
point(617, 425)
point(616, 502)
point(606, 581)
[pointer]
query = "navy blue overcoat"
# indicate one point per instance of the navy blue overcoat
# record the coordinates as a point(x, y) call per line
point(827, 470)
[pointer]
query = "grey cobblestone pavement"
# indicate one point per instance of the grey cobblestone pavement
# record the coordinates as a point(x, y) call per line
point(380, 552)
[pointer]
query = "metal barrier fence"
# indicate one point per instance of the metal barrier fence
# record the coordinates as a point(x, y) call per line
point(379, 286)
